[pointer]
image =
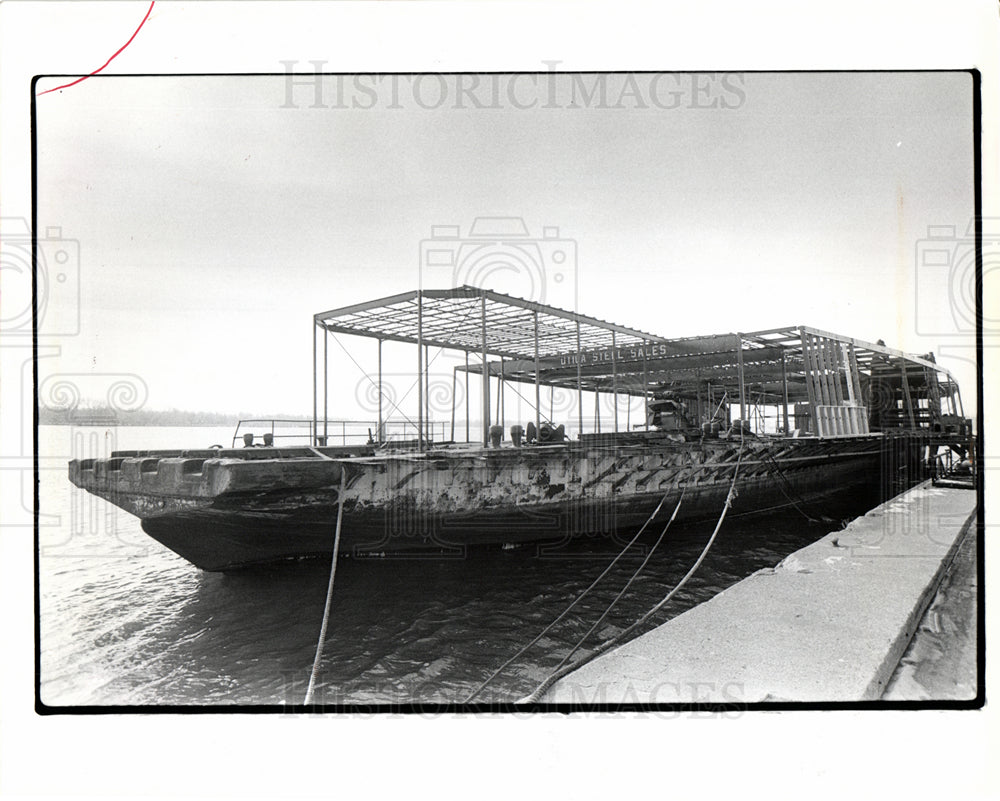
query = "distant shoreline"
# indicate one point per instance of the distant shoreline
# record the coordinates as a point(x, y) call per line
point(143, 417)
point(96, 422)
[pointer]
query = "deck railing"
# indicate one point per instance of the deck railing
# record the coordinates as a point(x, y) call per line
point(330, 432)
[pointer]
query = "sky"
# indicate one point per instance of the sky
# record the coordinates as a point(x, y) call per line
point(210, 217)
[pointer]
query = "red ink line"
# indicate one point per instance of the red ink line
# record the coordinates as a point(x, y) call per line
point(117, 53)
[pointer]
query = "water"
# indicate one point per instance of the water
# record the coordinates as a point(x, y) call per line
point(126, 622)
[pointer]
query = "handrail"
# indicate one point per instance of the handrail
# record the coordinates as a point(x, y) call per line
point(343, 432)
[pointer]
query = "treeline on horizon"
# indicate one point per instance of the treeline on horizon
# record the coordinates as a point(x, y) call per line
point(100, 415)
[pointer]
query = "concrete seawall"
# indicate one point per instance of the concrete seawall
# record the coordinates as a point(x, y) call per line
point(828, 624)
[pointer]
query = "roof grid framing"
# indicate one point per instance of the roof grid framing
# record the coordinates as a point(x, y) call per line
point(454, 318)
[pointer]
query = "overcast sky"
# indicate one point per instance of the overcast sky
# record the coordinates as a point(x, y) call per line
point(216, 215)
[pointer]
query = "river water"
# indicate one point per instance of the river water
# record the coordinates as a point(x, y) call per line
point(124, 621)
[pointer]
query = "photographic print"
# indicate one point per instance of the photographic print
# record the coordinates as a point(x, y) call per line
point(507, 390)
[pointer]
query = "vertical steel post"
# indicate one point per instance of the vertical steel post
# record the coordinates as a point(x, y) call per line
point(833, 357)
point(326, 384)
point(427, 393)
point(614, 375)
point(420, 370)
point(538, 387)
point(486, 380)
point(844, 368)
point(739, 362)
point(579, 382)
point(784, 388)
point(315, 384)
point(811, 389)
point(908, 398)
point(827, 390)
point(848, 373)
point(858, 394)
point(645, 387)
point(467, 396)
point(454, 383)
point(378, 435)
point(501, 417)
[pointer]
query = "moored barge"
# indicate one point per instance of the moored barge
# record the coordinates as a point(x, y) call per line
point(791, 415)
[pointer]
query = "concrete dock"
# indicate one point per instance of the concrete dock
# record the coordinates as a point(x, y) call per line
point(828, 624)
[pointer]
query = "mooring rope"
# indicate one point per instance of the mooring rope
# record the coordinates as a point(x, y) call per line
point(579, 598)
point(628, 584)
point(557, 674)
point(329, 590)
point(785, 483)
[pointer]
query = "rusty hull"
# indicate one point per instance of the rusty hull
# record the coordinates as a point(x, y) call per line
point(230, 509)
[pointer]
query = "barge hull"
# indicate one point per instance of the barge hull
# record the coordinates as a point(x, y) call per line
point(234, 542)
point(223, 514)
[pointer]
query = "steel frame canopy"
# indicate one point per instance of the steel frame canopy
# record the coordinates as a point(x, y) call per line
point(543, 344)
point(714, 357)
point(781, 365)
point(472, 320)
point(454, 319)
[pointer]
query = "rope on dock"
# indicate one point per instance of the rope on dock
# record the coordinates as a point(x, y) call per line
point(557, 674)
point(329, 591)
point(579, 598)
